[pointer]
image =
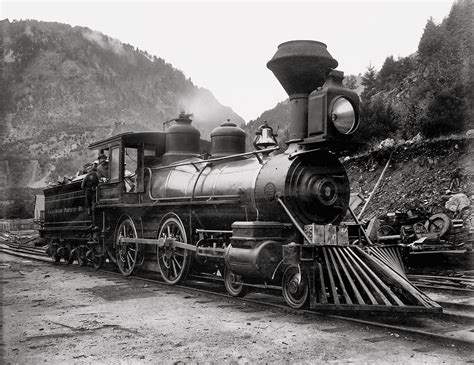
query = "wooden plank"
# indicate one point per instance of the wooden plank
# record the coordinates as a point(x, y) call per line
point(359, 298)
point(354, 271)
point(331, 279)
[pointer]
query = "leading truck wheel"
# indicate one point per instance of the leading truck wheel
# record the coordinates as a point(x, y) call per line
point(294, 287)
point(127, 253)
point(173, 262)
point(234, 284)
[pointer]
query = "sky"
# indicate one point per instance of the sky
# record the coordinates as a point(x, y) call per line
point(224, 46)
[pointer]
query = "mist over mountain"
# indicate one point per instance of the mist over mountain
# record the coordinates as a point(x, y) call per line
point(64, 87)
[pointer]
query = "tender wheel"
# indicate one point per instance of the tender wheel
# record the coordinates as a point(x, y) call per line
point(56, 258)
point(234, 284)
point(81, 256)
point(126, 252)
point(98, 258)
point(294, 287)
point(173, 262)
point(54, 253)
point(68, 256)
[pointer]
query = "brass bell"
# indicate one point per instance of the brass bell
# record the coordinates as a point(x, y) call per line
point(264, 137)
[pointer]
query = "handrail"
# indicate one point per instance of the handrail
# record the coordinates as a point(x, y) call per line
point(291, 156)
point(267, 150)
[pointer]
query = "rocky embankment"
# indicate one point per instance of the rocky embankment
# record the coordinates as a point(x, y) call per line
point(423, 175)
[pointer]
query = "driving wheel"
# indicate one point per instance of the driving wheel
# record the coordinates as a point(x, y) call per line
point(173, 262)
point(127, 253)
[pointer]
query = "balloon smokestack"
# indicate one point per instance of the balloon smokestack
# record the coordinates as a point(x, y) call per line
point(301, 66)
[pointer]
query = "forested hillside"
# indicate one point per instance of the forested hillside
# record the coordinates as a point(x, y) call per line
point(429, 92)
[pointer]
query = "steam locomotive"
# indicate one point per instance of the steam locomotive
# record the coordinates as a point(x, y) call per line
point(257, 219)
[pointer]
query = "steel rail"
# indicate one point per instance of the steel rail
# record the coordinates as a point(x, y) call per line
point(283, 308)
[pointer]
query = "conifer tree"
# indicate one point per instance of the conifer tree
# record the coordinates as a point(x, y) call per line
point(370, 84)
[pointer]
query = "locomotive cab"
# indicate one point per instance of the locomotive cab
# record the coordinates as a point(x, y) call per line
point(128, 154)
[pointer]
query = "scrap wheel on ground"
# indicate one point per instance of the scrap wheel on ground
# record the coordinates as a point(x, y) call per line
point(127, 253)
point(234, 284)
point(438, 223)
point(386, 230)
point(173, 262)
point(295, 287)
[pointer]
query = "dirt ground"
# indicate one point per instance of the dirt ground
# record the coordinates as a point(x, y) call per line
point(63, 315)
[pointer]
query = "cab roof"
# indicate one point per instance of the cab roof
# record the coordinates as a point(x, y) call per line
point(131, 139)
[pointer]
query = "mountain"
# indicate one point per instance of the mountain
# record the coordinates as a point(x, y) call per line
point(64, 87)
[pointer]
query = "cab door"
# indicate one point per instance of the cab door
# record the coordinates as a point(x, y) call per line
point(109, 192)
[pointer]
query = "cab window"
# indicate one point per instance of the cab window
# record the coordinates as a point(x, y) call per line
point(130, 161)
point(114, 164)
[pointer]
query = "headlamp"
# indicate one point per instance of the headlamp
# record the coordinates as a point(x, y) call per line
point(343, 115)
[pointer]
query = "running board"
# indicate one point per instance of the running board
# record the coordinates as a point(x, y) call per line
point(348, 278)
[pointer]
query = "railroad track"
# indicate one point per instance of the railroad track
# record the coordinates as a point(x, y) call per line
point(448, 327)
point(461, 284)
point(24, 249)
